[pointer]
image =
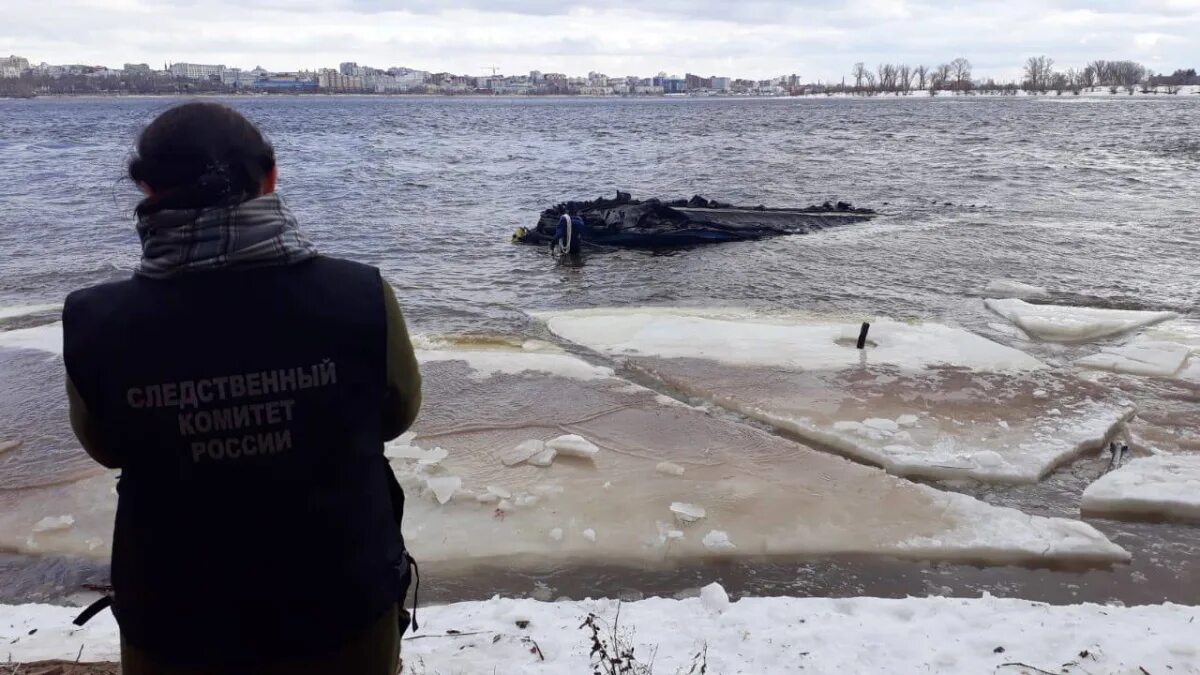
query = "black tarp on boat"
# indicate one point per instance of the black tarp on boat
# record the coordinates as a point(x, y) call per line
point(630, 223)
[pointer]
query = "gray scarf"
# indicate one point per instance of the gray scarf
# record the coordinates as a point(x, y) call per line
point(260, 232)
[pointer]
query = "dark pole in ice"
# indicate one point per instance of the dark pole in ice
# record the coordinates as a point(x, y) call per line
point(862, 335)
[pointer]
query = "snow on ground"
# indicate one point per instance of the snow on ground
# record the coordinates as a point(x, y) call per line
point(922, 400)
point(47, 338)
point(600, 496)
point(26, 310)
point(1014, 289)
point(1156, 487)
point(1062, 323)
point(963, 636)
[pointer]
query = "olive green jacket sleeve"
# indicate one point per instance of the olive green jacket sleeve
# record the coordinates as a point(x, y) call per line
point(403, 400)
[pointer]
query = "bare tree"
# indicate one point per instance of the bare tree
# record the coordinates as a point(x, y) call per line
point(1103, 71)
point(871, 81)
point(1038, 72)
point(859, 73)
point(961, 69)
point(942, 75)
point(1058, 82)
point(905, 76)
point(1075, 80)
point(922, 73)
point(1087, 77)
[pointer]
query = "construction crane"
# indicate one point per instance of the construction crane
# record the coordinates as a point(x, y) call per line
point(494, 69)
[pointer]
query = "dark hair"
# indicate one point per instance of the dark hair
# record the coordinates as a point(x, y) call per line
point(200, 155)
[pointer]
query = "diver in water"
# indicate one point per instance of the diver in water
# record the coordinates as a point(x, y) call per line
point(568, 237)
point(245, 385)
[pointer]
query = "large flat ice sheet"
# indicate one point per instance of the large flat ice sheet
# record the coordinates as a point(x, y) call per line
point(742, 491)
point(953, 636)
point(921, 400)
point(1141, 357)
point(1062, 323)
point(1155, 487)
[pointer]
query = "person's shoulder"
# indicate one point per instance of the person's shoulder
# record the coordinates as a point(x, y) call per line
point(344, 265)
point(98, 294)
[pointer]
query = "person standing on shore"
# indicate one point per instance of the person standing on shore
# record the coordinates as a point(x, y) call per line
point(245, 385)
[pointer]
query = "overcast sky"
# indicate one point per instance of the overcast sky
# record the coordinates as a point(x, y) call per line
point(819, 39)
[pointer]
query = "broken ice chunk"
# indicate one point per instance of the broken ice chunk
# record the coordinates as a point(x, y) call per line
point(669, 468)
point(544, 458)
point(687, 513)
point(524, 451)
point(1148, 488)
point(1062, 323)
point(573, 445)
point(1014, 289)
point(396, 451)
point(556, 534)
point(444, 487)
point(880, 424)
point(590, 535)
point(907, 420)
point(500, 492)
point(54, 523)
point(714, 598)
point(718, 542)
point(1148, 358)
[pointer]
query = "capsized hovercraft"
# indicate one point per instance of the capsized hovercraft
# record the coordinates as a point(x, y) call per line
point(630, 223)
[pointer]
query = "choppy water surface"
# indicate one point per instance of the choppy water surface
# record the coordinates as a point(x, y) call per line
point(1094, 199)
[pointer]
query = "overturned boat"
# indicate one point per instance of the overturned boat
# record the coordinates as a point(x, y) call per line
point(652, 223)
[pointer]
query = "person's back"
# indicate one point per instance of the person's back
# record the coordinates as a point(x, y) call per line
point(245, 385)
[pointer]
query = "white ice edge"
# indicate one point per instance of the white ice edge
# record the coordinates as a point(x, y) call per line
point(1065, 323)
point(489, 363)
point(1040, 458)
point(47, 338)
point(751, 635)
point(26, 310)
point(1159, 486)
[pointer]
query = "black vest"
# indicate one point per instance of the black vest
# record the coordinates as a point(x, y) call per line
point(254, 520)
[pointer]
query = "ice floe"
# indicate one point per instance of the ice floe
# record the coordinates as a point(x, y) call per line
point(26, 310)
point(781, 340)
point(1063, 323)
point(1155, 487)
point(47, 338)
point(768, 495)
point(1014, 289)
point(870, 636)
point(1141, 357)
point(573, 445)
point(922, 400)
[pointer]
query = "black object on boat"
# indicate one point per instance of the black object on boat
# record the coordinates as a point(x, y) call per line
point(630, 223)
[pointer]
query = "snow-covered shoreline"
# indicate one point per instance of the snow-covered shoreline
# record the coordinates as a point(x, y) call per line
point(752, 635)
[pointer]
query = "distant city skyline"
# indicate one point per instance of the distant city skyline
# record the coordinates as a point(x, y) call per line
point(758, 39)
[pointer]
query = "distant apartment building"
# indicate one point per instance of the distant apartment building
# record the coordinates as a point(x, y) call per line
point(242, 79)
point(288, 82)
point(697, 83)
point(142, 69)
point(721, 84)
point(13, 66)
point(195, 71)
point(336, 81)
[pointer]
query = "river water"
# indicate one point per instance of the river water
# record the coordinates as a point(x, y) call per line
point(1094, 199)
